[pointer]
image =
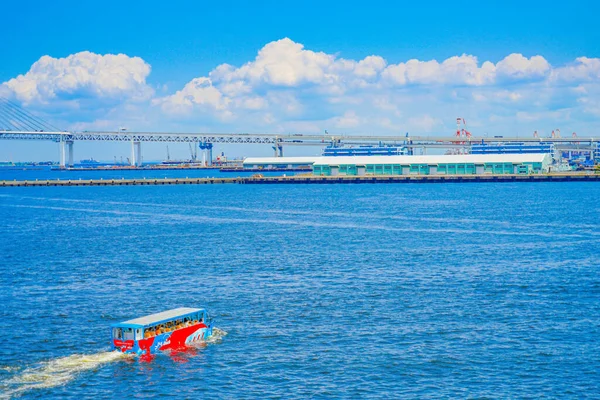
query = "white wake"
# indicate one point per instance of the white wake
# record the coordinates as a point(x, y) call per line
point(61, 371)
point(56, 372)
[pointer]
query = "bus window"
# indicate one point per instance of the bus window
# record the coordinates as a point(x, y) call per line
point(138, 334)
point(128, 334)
point(117, 333)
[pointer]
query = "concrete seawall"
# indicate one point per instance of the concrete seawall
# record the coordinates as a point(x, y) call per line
point(120, 182)
point(306, 179)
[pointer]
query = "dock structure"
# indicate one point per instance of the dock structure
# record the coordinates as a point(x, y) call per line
point(119, 182)
point(310, 179)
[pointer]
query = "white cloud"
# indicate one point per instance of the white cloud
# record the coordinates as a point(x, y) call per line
point(369, 67)
point(287, 87)
point(457, 70)
point(198, 92)
point(83, 74)
point(465, 70)
point(516, 66)
point(279, 63)
point(584, 69)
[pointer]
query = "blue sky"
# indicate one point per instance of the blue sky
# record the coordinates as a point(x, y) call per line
point(175, 44)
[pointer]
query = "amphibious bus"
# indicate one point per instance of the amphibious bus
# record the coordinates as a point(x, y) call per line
point(167, 330)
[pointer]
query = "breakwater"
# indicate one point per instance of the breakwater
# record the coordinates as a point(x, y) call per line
point(309, 179)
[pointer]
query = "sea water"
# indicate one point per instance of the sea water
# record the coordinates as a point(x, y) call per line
point(483, 290)
point(15, 173)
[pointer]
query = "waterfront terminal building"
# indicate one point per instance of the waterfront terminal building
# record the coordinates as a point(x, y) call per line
point(462, 164)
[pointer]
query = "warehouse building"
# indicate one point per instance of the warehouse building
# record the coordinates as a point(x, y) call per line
point(364, 151)
point(512, 148)
point(464, 164)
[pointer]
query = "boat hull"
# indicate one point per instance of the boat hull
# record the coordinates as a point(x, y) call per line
point(177, 339)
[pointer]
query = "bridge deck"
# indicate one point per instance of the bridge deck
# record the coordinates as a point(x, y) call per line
point(288, 139)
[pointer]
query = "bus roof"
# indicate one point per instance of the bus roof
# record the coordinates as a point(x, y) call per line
point(161, 316)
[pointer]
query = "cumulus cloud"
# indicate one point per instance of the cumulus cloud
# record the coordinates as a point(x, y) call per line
point(282, 63)
point(287, 87)
point(199, 92)
point(81, 75)
point(516, 66)
point(457, 70)
point(285, 65)
point(465, 70)
point(584, 69)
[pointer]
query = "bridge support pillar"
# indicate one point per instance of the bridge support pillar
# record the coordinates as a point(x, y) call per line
point(66, 153)
point(62, 162)
point(278, 148)
point(207, 154)
point(70, 158)
point(136, 154)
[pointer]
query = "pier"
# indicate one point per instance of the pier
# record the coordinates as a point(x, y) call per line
point(309, 179)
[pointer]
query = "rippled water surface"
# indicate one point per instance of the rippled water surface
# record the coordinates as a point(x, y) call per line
point(388, 290)
point(53, 173)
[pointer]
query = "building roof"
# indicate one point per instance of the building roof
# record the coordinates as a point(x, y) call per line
point(161, 316)
point(280, 160)
point(433, 159)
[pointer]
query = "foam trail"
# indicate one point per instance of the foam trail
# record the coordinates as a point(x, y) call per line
point(56, 372)
point(63, 370)
point(217, 335)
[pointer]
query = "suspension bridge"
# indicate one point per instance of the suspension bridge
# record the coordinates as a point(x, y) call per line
point(16, 123)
